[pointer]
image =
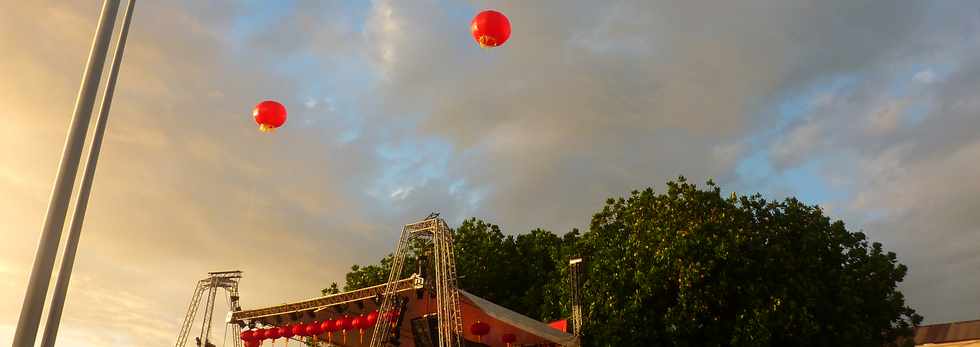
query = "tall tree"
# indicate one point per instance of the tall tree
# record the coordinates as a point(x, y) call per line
point(691, 268)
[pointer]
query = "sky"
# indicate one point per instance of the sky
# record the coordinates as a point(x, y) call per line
point(867, 108)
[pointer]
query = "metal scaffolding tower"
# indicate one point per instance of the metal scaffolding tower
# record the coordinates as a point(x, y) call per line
point(447, 293)
point(575, 275)
point(208, 288)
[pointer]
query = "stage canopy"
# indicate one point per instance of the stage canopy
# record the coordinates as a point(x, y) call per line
point(420, 303)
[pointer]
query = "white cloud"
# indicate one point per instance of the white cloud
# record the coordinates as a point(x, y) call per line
point(310, 103)
point(926, 76)
point(401, 193)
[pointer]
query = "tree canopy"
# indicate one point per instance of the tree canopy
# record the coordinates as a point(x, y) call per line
point(690, 267)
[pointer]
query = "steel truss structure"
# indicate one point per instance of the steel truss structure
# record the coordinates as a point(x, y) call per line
point(207, 289)
point(447, 292)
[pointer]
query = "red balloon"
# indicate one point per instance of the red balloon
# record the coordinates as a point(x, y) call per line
point(508, 338)
point(480, 328)
point(371, 319)
point(490, 28)
point(285, 332)
point(297, 329)
point(269, 115)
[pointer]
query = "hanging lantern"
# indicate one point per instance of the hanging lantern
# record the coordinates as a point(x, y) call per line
point(269, 115)
point(297, 329)
point(490, 28)
point(345, 324)
point(253, 343)
point(247, 335)
point(286, 333)
point(359, 324)
point(479, 329)
point(391, 316)
point(371, 319)
point(310, 329)
point(327, 326)
point(508, 338)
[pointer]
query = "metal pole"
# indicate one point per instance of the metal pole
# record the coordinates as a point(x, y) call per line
point(54, 221)
point(81, 200)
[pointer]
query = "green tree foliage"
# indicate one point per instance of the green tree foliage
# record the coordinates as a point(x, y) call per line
point(690, 268)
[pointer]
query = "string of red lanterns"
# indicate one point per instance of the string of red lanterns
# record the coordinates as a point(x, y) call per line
point(315, 329)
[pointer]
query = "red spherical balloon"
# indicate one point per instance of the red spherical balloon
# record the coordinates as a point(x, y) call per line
point(508, 338)
point(480, 328)
point(285, 332)
point(490, 28)
point(269, 115)
point(371, 319)
point(297, 329)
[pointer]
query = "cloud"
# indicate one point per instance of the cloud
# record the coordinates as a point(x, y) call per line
point(925, 76)
point(583, 103)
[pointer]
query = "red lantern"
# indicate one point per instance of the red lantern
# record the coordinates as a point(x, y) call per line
point(272, 334)
point(359, 323)
point(310, 329)
point(508, 338)
point(371, 319)
point(346, 323)
point(391, 316)
point(269, 115)
point(479, 329)
point(297, 329)
point(285, 332)
point(490, 28)
point(247, 335)
point(328, 327)
point(253, 343)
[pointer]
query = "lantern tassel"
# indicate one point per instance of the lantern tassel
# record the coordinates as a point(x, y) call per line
point(265, 128)
point(487, 42)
